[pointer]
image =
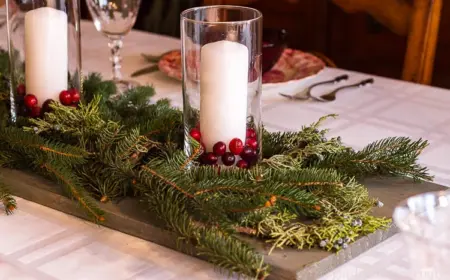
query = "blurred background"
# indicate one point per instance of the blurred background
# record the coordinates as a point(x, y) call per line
point(403, 39)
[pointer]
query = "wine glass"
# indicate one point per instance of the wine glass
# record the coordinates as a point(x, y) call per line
point(115, 18)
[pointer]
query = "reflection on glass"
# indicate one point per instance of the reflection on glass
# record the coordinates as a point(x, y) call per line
point(425, 224)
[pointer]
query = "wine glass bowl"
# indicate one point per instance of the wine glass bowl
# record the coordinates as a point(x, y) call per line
point(274, 43)
point(115, 19)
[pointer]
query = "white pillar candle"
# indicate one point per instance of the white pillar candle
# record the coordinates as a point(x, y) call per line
point(46, 53)
point(223, 92)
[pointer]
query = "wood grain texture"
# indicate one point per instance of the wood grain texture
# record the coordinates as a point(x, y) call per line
point(394, 14)
point(418, 20)
point(422, 41)
point(129, 217)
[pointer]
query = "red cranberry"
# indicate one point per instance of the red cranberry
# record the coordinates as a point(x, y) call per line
point(249, 155)
point(46, 106)
point(75, 95)
point(302, 144)
point(210, 158)
point(21, 90)
point(236, 146)
point(195, 133)
point(65, 98)
point(219, 149)
point(252, 143)
point(30, 101)
point(242, 164)
point(251, 133)
point(228, 159)
point(35, 112)
point(20, 99)
point(23, 111)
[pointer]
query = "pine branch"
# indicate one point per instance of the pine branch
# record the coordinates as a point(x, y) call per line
point(129, 104)
point(9, 202)
point(395, 156)
point(226, 252)
point(231, 254)
point(35, 147)
point(70, 182)
point(166, 181)
point(94, 87)
point(107, 182)
point(131, 144)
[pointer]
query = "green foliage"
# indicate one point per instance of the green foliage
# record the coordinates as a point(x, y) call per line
point(304, 193)
point(7, 199)
point(395, 156)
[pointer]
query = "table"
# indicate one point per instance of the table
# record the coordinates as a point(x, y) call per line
point(38, 243)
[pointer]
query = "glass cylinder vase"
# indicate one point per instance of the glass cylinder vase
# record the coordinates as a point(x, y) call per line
point(221, 57)
point(45, 54)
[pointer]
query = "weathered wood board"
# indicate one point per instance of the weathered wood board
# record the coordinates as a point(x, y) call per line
point(288, 264)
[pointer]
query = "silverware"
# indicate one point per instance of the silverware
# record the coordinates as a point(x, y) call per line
point(146, 70)
point(152, 58)
point(332, 95)
point(149, 69)
point(306, 93)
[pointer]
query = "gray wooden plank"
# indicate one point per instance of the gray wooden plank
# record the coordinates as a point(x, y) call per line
point(129, 217)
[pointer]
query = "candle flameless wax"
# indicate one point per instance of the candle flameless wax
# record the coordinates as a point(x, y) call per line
point(223, 92)
point(46, 53)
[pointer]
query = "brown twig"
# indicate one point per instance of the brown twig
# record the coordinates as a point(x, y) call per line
point(337, 184)
point(167, 181)
point(370, 161)
point(128, 151)
point(220, 189)
point(197, 151)
point(114, 136)
point(152, 132)
point(46, 149)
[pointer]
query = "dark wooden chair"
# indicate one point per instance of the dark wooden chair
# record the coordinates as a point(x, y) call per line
point(418, 20)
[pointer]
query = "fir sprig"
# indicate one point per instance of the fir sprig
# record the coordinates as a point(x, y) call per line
point(395, 156)
point(74, 190)
point(8, 201)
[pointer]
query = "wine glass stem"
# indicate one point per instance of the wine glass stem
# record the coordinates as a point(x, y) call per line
point(116, 45)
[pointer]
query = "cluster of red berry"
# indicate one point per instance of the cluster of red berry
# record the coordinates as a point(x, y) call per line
point(248, 153)
point(28, 103)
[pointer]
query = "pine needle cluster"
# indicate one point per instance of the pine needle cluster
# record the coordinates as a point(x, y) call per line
point(303, 194)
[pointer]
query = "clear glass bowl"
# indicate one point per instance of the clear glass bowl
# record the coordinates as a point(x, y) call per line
point(425, 224)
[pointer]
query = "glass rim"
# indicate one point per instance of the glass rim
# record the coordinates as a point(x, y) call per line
point(258, 14)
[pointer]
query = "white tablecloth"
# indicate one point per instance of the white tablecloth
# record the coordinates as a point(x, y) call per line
point(42, 244)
